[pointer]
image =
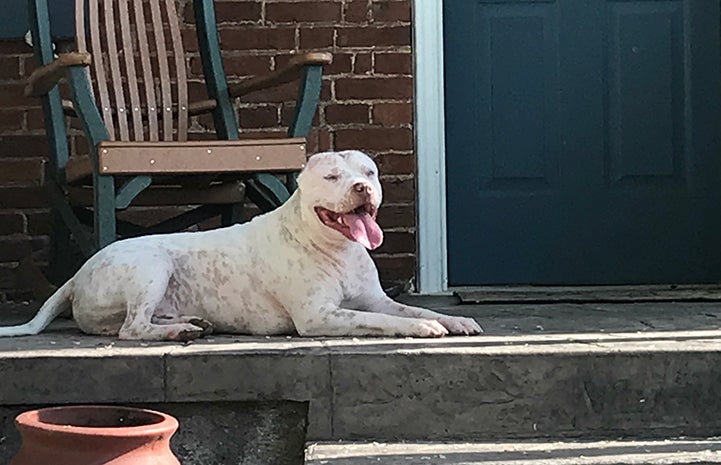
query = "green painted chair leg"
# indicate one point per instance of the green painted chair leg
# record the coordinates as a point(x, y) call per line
point(82, 238)
point(65, 256)
point(104, 207)
point(131, 189)
point(291, 182)
point(266, 191)
point(232, 214)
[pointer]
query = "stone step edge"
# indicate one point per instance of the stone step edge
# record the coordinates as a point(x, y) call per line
point(535, 452)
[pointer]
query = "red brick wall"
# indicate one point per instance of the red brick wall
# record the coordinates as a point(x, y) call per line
point(23, 214)
point(366, 103)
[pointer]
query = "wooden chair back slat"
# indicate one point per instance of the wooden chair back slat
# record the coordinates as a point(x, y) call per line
point(148, 78)
point(82, 42)
point(98, 65)
point(129, 54)
point(138, 69)
point(79, 16)
point(166, 108)
point(116, 74)
point(180, 74)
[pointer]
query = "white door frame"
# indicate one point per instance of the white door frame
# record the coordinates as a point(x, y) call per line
point(429, 125)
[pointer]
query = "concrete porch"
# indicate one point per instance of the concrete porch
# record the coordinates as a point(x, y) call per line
point(540, 372)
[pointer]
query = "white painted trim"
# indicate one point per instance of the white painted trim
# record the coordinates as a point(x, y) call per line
point(430, 146)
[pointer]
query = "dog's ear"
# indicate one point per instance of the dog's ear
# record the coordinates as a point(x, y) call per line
point(312, 161)
point(309, 164)
point(317, 158)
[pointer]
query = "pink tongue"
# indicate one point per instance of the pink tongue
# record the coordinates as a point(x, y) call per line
point(364, 230)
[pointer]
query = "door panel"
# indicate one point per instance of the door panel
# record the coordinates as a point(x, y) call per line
point(582, 141)
point(517, 42)
point(646, 93)
point(14, 21)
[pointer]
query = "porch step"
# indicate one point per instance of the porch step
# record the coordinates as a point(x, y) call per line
point(628, 452)
point(557, 371)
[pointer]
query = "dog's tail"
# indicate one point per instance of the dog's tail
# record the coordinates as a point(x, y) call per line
point(54, 306)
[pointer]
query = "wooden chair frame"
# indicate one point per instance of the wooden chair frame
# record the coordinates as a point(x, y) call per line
point(118, 179)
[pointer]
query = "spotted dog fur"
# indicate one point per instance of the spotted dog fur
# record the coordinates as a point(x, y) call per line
point(301, 268)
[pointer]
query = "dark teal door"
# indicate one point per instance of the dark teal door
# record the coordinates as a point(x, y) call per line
point(14, 19)
point(582, 141)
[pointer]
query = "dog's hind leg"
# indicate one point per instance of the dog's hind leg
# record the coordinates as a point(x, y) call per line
point(140, 322)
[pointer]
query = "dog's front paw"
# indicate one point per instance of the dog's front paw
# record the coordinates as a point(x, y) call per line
point(427, 328)
point(188, 332)
point(461, 325)
point(205, 325)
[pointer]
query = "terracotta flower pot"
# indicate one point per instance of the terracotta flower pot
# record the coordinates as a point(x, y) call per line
point(89, 434)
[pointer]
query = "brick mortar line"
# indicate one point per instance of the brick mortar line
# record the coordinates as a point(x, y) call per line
point(394, 255)
point(399, 49)
point(323, 103)
point(346, 126)
point(339, 50)
point(328, 24)
point(365, 76)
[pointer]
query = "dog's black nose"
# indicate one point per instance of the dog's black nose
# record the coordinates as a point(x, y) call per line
point(363, 187)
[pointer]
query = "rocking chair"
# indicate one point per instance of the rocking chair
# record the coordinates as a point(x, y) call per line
point(126, 72)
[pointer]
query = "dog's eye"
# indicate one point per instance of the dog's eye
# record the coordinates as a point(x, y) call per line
point(331, 177)
point(370, 173)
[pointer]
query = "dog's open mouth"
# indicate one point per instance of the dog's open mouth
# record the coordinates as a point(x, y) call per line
point(357, 225)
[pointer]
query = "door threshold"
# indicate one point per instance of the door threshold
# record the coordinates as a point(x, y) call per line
point(588, 294)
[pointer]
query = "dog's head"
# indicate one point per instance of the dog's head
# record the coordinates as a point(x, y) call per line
point(344, 193)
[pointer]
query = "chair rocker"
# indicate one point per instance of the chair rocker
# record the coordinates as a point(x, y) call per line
point(126, 71)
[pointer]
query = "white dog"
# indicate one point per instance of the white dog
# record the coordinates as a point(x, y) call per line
point(302, 267)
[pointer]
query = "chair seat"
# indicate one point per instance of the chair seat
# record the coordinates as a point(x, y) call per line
point(158, 196)
point(194, 157)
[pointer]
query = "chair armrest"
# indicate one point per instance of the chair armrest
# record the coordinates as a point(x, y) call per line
point(44, 78)
point(288, 73)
